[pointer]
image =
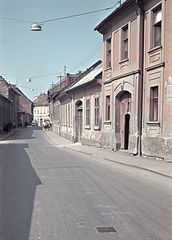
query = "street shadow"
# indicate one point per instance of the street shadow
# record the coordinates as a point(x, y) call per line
point(18, 182)
point(27, 133)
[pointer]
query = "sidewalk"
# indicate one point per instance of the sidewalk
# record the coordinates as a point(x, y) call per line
point(5, 136)
point(160, 167)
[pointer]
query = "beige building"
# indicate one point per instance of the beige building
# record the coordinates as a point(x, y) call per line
point(54, 103)
point(77, 108)
point(137, 82)
point(81, 108)
point(121, 78)
point(157, 84)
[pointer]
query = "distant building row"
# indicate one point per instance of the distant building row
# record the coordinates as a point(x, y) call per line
point(125, 101)
point(15, 107)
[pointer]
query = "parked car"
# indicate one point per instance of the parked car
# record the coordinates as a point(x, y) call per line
point(34, 123)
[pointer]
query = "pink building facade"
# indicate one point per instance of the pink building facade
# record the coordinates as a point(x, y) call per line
point(137, 82)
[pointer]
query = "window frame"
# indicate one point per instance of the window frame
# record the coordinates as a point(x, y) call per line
point(87, 112)
point(108, 53)
point(157, 27)
point(96, 110)
point(69, 114)
point(124, 42)
point(154, 104)
point(108, 115)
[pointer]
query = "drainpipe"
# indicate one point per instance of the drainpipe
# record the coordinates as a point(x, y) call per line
point(140, 83)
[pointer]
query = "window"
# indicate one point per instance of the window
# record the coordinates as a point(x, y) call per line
point(154, 104)
point(108, 107)
point(37, 110)
point(69, 114)
point(87, 111)
point(108, 53)
point(96, 111)
point(125, 42)
point(66, 115)
point(157, 18)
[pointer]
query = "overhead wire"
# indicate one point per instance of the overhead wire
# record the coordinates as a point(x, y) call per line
point(64, 17)
point(87, 55)
point(80, 14)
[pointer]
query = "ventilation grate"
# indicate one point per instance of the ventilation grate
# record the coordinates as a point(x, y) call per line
point(106, 229)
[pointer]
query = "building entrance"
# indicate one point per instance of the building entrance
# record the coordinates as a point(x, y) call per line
point(78, 121)
point(122, 121)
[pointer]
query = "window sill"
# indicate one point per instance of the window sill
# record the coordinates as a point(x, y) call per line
point(108, 68)
point(124, 61)
point(96, 128)
point(107, 122)
point(87, 127)
point(154, 49)
point(153, 123)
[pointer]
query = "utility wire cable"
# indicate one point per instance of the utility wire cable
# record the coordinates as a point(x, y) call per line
point(65, 17)
point(80, 14)
point(14, 19)
point(46, 75)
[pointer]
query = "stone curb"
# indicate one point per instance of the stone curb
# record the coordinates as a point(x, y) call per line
point(122, 163)
point(111, 160)
point(11, 134)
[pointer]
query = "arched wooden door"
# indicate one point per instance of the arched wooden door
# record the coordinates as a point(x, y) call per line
point(123, 109)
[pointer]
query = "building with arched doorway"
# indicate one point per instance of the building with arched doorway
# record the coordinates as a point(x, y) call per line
point(137, 78)
point(81, 108)
point(121, 78)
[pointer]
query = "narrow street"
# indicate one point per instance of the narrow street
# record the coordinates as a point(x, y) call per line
point(49, 192)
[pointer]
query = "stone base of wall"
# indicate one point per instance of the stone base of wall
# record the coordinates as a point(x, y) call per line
point(133, 144)
point(91, 142)
point(108, 140)
point(56, 128)
point(112, 141)
point(157, 147)
point(66, 135)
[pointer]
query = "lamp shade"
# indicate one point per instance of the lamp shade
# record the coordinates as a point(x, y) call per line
point(36, 27)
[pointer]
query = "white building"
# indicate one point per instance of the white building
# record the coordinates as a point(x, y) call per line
point(41, 109)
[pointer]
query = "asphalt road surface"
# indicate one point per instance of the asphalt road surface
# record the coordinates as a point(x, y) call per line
point(48, 192)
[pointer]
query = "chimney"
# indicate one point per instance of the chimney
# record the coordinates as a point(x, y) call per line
point(67, 79)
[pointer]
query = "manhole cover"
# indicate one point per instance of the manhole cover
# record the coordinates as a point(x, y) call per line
point(106, 229)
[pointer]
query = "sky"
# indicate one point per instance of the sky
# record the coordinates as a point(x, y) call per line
point(70, 43)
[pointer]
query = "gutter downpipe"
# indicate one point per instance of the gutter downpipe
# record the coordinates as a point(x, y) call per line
point(140, 84)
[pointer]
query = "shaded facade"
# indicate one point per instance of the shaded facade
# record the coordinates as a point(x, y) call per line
point(25, 113)
point(4, 111)
point(9, 92)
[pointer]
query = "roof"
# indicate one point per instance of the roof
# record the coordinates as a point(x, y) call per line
point(41, 100)
point(3, 97)
point(81, 76)
point(23, 109)
point(116, 13)
point(23, 97)
point(89, 77)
